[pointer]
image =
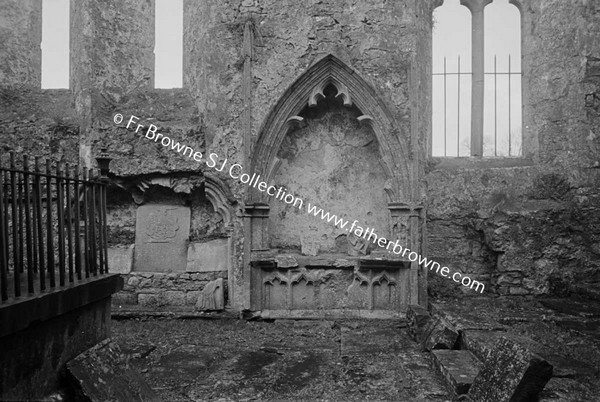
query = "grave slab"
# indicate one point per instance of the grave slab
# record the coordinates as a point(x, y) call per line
point(162, 233)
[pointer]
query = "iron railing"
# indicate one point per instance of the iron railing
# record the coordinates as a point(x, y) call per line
point(52, 227)
point(452, 108)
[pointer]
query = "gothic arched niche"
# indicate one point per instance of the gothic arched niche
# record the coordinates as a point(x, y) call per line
point(332, 142)
point(352, 90)
point(331, 160)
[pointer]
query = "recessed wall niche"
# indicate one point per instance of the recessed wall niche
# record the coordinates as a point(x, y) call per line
point(332, 160)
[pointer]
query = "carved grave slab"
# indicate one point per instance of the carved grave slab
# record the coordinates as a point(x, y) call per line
point(161, 238)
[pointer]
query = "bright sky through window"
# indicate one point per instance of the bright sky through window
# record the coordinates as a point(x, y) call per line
point(168, 51)
point(55, 44)
point(502, 38)
point(452, 103)
point(451, 39)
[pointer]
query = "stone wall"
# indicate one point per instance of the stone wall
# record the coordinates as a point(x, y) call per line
point(152, 290)
point(377, 38)
point(531, 225)
point(522, 226)
point(33, 359)
point(34, 122)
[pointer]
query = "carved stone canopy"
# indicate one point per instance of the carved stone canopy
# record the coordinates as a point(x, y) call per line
point(308, 89)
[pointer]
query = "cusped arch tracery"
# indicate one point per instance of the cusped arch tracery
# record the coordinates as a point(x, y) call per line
point(220, 197)
point(353, 90)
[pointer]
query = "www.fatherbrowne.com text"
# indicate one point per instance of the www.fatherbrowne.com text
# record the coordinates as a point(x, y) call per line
point(236, 172)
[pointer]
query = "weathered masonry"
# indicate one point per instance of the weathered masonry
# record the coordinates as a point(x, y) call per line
point(332, 101)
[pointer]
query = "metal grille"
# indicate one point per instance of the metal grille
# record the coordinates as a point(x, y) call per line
point(503, 130)
point(52, 227)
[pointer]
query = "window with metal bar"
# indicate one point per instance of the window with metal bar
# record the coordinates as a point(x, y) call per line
point(476, 82)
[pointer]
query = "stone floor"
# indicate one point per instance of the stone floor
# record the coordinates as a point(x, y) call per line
point(238, 360)
point(209, 359)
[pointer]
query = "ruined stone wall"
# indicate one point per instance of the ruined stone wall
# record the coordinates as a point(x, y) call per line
point(377, 38)
point(33, 122)
point(521, 226)
point(531, 226)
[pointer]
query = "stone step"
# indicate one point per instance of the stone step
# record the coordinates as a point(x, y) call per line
point(459, 368)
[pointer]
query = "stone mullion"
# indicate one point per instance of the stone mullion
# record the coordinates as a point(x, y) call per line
point(477, 87)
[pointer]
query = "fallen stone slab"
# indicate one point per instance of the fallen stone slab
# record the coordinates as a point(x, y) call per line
point(102, 374)
point(458, 368)
point(466, 316)
point(482, 342)
point(439, 334)
point(510, 373)
point(417, 318)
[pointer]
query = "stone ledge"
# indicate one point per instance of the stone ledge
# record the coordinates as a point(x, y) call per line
point(22, 312)
point(456, 163)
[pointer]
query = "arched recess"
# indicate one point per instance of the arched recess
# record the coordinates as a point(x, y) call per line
point(220, 197)
point(353, 89)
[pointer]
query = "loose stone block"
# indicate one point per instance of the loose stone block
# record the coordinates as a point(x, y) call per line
point(510, 373)
point(120, 259)
point(417, 317)
point(210, 256)
point(458, 367)
point(439, 334)
point(212, 296)
point(161, 238)
point(103, 376)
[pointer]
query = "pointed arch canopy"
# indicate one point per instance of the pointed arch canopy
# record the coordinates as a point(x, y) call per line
point(393, 143)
